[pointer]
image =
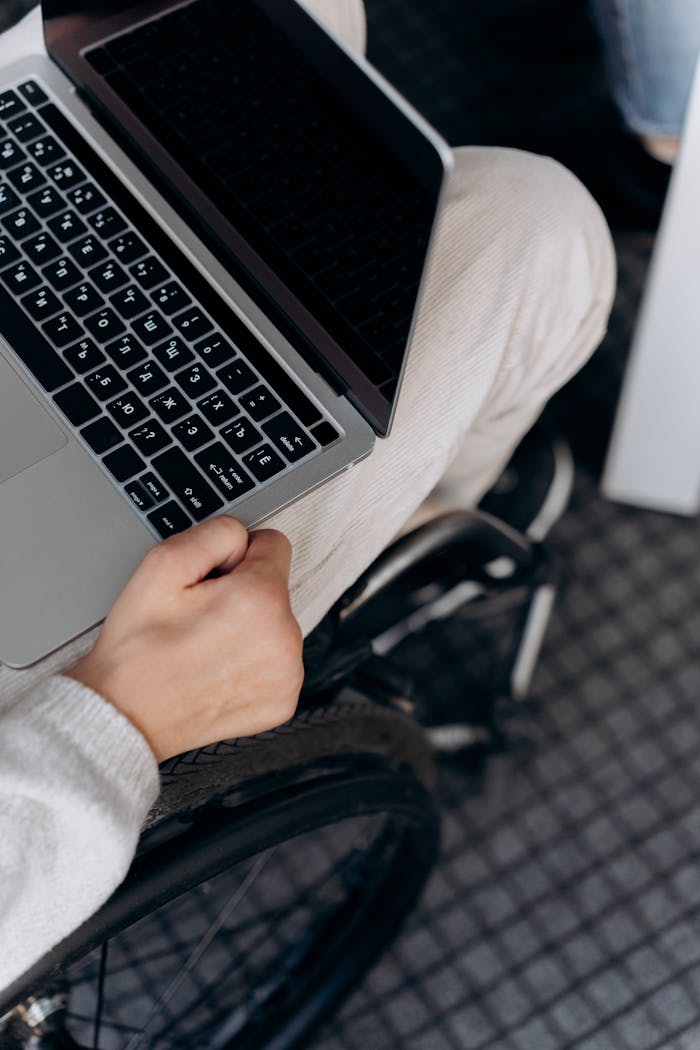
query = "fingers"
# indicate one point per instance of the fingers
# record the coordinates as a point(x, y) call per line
point(188, 558)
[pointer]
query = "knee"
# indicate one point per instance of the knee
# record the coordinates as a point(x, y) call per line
point(345, 18)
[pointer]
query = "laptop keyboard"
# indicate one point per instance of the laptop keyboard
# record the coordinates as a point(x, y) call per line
point(187, 415)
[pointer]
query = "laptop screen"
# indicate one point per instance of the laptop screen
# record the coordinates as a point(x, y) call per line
point(317, 189)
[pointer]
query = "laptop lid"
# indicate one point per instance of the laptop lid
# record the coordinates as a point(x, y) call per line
point(313, 181)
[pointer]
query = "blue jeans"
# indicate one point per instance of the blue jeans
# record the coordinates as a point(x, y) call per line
point(652, 47)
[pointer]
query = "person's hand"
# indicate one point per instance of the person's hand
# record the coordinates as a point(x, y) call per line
point(191, 659)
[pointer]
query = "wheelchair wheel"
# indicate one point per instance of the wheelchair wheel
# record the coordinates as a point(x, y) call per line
point(271, 874)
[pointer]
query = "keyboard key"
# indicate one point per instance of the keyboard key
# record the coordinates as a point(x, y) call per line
point(173, 354)
point(325, 433)
point(46, 202)
point(127, 248)
point(21, 223)
point(8, 252)
point(237, 376)
point(32, 93)
point(86, 198)
point(186, 483)
point(149, 272)
point(124, 463)
point(63, 330)
point(150, 437)
point(26, 127)
point(83, 299)
point(39, 357)
point(62, 274)
point(214, 350)
point(140, 497)
point(193, 432)
point(170, 405)
point(287, 436)
point(108, 276)
point(130, 302)
point(218, 408)
point(277, 378)
point(195, 380)
point(10, 154)
point(264, 462)
point(102, 435)
point(192, 323)
point(41, 249)
point(10, 104)
point(148, 378)
point(88, 250)
point(169, 519)
point(8, 198)
point(105, 383)
point(67, 226)
point(77, 405)
point(66, 174)
point(155, 487)
point(46, 150)
point(26, 178)
point(105, 325)
point(126, 351)
point(127, 410)
point(241, 435)
point(151, 328)
point(224, 472)
point(21, 277)
point(41, 303)
point(260, 403)
point(171, 298)
point(107, 222)
point(84, 356)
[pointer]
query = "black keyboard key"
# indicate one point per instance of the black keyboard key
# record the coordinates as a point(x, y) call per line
point(63, 330)
point(149, 272)
point(26, 178)
point(41, 303)
point(41, 249)
point(192, 323)
point(86, 198)
point(107, 222)
point(10, 154)
point(170, 405)
point(84, 356)
point(127, 248)
point(108, 276)
point(46, 150)
point(32, 93)
point(67, 226)
point(260, 403)
point(127, 410)
point(186, 483)
point(126, 351)
point(148, 378)
point(287, 436)
point(150, 437)
point(139, 496)
point(46, 202)
point(26, 127)
point(151, 328)
point(63, 273)
point(193, 432)
point(214, 350)
point(129, 302)
point(264, 462)
point(218, 408)
point(106, 382)
point(224, 472)
point(10, 104)
point(169, 519)
point(84, 299)
point(19, 331)
point(195, 380)
point(325, 433)
point(241, 435)
point(173, 354)
point(170, 298)
point(105, 325)
point(124, 463)
point(237, 376)
point(77, 405)
point(8, 198)
point(21, 277)
point(8, 252)
point(88, 250)
point(66, 174)
point(102, 435)
point(278, 379)
point(155, 487)
point(21, 223)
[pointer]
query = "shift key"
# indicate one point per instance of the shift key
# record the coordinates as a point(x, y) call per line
point(222, 469)
point(186, 483)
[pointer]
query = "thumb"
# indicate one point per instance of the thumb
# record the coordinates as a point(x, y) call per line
point(186, 559)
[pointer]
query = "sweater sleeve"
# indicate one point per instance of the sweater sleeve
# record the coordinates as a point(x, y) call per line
point(76, 783)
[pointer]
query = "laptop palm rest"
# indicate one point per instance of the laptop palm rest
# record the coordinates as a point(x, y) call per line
point(27, 432)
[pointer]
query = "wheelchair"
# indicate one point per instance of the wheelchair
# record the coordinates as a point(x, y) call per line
point(273, 871)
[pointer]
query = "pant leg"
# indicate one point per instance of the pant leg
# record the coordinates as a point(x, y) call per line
point(517, 297)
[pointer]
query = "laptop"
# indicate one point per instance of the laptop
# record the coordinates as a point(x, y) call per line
point(214, 225)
